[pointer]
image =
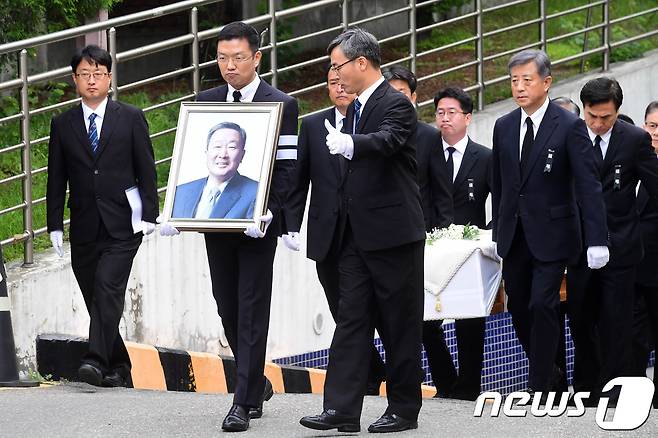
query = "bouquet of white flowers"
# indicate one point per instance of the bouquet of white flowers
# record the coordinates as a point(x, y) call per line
point(454, 232)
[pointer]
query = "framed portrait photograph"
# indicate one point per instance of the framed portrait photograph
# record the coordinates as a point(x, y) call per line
point(222, 165)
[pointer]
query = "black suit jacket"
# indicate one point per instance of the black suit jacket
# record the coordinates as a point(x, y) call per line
point(475, 169)
point(315, 165)
point(543, 199)
point(435, 188)
point(380, 193)
point(647, 208)
point(286, 153)
point(628, 159)
point(97, 182)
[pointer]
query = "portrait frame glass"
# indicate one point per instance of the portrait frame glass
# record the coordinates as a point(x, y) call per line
point(214, 184)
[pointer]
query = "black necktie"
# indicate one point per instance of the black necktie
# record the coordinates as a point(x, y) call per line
point(357, 113)
point(451, 164)
point(597, 149)
point(237, 96)
point(528, 141)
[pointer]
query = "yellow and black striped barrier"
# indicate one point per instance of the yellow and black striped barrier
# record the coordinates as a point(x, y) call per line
point(168, 369)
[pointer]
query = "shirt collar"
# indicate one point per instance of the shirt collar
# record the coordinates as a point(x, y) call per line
point(365, 94)
point(605, 138)
point(460, 146)
point(248, 91)
point(537, 116)
point(99, 111)
point(338, 116)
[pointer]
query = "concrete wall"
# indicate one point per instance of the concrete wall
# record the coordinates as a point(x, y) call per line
point(169, 301)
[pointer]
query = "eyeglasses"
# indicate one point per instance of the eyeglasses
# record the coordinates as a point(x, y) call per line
point(450, 113)
point(86, 75)
point(237, 59)
point(337, 68)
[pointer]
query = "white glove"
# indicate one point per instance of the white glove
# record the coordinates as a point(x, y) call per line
point(57, 239)
point(291, 240)
point(254, 231)
point(148, 228)
point(597, 256)
point(166, 229)
point(339, 143)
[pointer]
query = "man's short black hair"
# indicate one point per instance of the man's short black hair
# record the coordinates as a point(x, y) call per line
point(625, 118)
point(397, 72)
point(564, 101)
point(458, 94)
point(93, 55)
point(240, 30)
point(653, 106)
point(601, 90)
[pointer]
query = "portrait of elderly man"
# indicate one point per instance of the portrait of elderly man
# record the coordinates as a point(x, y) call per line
point(224, 193)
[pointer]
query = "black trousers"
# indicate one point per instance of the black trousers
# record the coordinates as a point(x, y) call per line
point(470, 344)
point(241, 275)
point(387, 286)
point(102, 269)
point(533, 292)
point(650, 295)
point(328, 275)
point(600, 318)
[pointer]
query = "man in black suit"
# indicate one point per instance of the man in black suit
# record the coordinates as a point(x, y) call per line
point(321, 169)
point(102, 150)
point(381, 235)
point(600, 302)
point(435, 191)
point(241, 265)
point(646, 281)
point(541, 153)
point(468, 167)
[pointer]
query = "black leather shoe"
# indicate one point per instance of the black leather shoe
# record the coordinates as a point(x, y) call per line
point(114, 380)
point(330, 419)
point(268, 392)
point(237, 419)
point(88, 373)
point(255, 412)
point(391, 423)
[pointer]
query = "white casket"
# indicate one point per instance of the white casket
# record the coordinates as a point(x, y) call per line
point(462, 278)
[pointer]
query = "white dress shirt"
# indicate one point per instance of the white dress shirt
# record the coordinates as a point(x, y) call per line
point(605, 140)
point(536, 119)
point(100, 116)
point(248, 91)
point(340, 119)
point(457, 155)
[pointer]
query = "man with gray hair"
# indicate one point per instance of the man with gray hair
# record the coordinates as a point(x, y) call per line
point(380, 236)
point(567, 104)
point(540, 154)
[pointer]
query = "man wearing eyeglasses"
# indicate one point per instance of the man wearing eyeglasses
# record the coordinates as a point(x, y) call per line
point(380, 234)
point(241, 265)
point(102, 150)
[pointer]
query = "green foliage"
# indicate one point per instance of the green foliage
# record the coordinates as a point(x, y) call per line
point(36, 376)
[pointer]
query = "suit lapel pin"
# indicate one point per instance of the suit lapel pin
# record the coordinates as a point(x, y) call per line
point(471, 190)
point(617, 182)
point(549, 161)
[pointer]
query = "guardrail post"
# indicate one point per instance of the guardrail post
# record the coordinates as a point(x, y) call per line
point(412, 37)
point(115, 73)
point(606, 35)
point(345, 14)
point(542, 24)
point(273, 65)
point(479, 53)
point(194, 28)
point(26, 163)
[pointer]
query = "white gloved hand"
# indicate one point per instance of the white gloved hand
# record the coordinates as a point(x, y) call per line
point(339, 143)
point(57, 239)
point(291, 240)
point(254, 231)
point(166, 229)
point(597, 256)
point(148, 227)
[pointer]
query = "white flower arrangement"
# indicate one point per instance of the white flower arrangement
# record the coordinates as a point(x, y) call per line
point(454, 232)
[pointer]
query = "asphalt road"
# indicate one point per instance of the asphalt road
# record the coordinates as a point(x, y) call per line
point(79, 410)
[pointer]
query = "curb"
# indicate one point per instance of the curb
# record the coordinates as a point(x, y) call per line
point(167, 369)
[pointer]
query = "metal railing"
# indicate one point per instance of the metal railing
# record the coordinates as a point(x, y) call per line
point(195, 37)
